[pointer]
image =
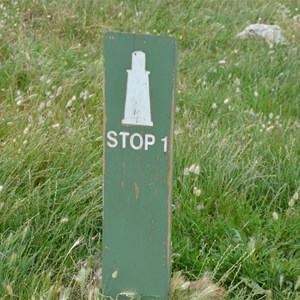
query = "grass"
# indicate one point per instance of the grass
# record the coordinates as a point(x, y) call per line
point(241, 234)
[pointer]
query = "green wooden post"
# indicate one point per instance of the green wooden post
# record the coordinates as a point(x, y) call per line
point(140, 73)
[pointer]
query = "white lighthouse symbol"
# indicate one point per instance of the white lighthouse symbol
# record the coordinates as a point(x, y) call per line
point(137, 103)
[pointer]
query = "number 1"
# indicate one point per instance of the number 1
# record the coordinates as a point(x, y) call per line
point(165, 141)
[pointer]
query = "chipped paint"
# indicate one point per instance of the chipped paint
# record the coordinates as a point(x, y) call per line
point(137, 190)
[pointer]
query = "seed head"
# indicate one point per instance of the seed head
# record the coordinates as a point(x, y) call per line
point(186, 171)
point(200, 206)
point(197, 192)
point(296, 196)
point(275, 216)
point(197, 170)
point(291, 202)
point(192, 168)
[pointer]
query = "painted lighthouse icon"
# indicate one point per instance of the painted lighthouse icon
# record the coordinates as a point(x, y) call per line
point(137, 104)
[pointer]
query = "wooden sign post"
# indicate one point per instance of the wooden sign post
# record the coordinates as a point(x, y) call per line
point(140, 73)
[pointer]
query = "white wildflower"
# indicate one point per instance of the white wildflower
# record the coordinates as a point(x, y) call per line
point(200, 206)
point(296, 196)
point(256, 94)
point(85, 95)
point(177, 109)
point(59, 90)
point(19, 98)
point(41, 120)
point(251, 244)
point(42, 106)
point(49, 103)
point(91, 118)
point(237, 81)
point(226, 101)
point(69, 104)
point(214, 106)
point(30, 97)
point(275, 216)
point(42, 78)
point(197, 192)
point(271, 116)
point(64, 220)
point(192, 168)
point(25, 142)
point(49, 81)
point(270, 128)
point(55, 126)
point(1, 188)
point(197, 170)
point(186, 171)
point(26, 130)
point(291, 202)
point(178, 131)
point(222, 62)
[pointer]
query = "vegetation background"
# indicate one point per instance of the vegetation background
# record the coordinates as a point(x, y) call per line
point(237, 169)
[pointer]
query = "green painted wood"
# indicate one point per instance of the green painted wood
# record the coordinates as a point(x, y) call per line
point(138, 151)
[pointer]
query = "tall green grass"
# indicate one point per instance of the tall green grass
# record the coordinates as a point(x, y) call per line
point(238, 119)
